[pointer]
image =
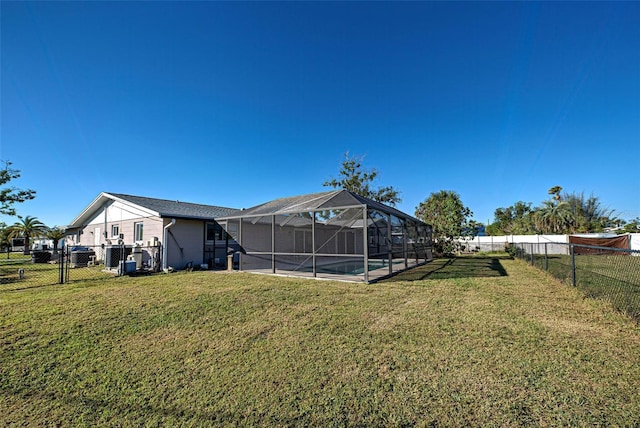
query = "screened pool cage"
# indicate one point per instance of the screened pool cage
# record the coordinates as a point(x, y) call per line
point(334, 235)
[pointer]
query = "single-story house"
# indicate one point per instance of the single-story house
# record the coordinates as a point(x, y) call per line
point(156, 233)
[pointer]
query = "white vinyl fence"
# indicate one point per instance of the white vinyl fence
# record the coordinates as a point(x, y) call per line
point(499, 243)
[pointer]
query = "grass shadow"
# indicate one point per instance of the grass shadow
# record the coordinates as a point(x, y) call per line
point(456, 267)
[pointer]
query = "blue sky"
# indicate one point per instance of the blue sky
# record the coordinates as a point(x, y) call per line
point(235, 104)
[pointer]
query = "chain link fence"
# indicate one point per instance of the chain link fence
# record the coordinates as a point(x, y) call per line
point(37, 268)
point(599, 272)
point(89, 262)
point(41, 268)
point(465, 246)
point(499, 247)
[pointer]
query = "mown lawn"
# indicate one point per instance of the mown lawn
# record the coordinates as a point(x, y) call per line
point(471, 341)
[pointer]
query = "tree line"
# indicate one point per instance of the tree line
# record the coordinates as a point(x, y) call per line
point(28, 227)
point(443, 210)
point(563, 213)
point(450, 219)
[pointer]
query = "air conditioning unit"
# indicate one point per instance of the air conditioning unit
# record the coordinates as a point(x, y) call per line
point(114, 254)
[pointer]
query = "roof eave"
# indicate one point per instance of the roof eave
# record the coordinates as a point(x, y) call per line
point(77, 222)
point(98, 202)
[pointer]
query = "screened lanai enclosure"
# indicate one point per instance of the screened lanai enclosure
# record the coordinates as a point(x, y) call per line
point(336, 235)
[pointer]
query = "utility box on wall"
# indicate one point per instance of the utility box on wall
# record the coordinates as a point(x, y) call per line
point(126, 267)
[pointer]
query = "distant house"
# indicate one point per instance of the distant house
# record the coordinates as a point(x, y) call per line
point(160, 233)
point(17, 244)
point(41, 244)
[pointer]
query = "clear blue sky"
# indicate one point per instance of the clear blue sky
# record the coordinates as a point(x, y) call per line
point(235, 104)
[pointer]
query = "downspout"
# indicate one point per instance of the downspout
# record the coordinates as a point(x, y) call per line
point(104, 232)
point(165, 243)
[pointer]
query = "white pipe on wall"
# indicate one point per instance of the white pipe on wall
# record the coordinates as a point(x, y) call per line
point(165, 243)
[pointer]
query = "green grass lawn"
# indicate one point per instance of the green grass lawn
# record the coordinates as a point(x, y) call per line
point(470, 341)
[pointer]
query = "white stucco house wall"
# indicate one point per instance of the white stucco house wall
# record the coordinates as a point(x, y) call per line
point(168, 233)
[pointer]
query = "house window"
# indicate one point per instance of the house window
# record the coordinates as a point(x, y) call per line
point(232, 228)
point(221, 235)
point(215, 232)
point(211, 230)
point(137, 231)
point(115, 230)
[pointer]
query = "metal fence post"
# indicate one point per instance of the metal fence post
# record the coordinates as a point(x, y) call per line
point(67, 261)
point(532, 261)
point(546, 258)
point(573, 264)
point(61, 266)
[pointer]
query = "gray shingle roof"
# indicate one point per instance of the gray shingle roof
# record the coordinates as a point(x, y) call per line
point(291, 204)
point(317, 201)
point(168, 208)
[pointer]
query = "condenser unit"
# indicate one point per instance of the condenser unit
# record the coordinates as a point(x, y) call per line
point(114, 254)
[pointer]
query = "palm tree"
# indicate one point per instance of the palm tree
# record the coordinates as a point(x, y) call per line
point(28, 227)
point(55, 234)
point(555, 191)
point(554, 218)
point(5, 241)
point(589, 213)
